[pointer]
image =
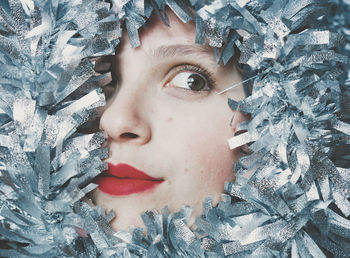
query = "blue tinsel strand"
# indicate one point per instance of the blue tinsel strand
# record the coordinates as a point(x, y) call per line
point(290, 197)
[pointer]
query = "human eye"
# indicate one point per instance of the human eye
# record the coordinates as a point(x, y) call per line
point(106, 67)
point(114, 81)
point(111, 88)
point(191, 78)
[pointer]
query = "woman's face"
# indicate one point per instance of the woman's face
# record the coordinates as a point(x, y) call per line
point(167, 120)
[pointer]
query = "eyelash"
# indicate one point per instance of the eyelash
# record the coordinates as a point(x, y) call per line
point(113, 75)
point(195, 68)
point(177, 69)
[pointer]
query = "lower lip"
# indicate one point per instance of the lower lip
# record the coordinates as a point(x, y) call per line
point(125, 186)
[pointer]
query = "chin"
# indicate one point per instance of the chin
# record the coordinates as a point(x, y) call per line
point(128, 223)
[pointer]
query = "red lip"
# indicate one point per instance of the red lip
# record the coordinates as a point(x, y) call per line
point(123, 179)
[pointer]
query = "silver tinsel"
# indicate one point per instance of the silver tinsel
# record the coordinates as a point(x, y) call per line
point(291, 195)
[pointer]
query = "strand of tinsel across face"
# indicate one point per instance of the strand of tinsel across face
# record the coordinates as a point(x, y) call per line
point(293, 199)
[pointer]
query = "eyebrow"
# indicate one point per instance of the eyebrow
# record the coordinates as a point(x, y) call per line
point(182, 50)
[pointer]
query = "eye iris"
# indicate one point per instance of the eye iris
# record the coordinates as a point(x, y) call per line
point(195, 82)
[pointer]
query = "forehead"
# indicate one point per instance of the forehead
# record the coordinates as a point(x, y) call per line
point(185, 32)
point(156, 34)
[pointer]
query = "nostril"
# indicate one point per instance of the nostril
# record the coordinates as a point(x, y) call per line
point(128, 136)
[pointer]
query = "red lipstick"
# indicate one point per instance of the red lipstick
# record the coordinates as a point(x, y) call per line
point(123, 179)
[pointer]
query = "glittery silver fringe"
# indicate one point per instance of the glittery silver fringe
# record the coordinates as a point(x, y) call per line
point(291, 195)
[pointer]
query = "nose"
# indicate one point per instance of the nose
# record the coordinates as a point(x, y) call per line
point(124, 119)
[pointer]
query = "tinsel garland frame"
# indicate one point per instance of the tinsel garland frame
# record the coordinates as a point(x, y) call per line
point(290, 197)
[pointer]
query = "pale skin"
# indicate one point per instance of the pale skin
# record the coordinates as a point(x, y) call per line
point(157, 124)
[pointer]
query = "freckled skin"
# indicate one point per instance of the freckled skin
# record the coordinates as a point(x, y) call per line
point(180, 137)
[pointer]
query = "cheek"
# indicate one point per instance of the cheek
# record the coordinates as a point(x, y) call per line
point(195, 137)
point(213, 157)
point(211, 166)
point(207, 150)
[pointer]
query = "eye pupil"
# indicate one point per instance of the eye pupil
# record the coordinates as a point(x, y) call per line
point(195, 82)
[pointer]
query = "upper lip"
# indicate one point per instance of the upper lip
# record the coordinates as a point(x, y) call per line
point(123, 170)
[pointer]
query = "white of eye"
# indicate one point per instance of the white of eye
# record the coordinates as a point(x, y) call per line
point(189, 80)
